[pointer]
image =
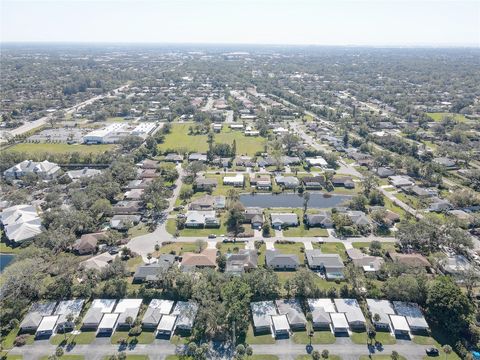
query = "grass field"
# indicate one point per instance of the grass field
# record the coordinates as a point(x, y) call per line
point(332, 248)
point(251, 339)
point(7, 341)
point(295, 248)
point(179, 140)
point(386, 246)
point(84, 338)
point(380, 357)
point(146, 337)
point(319, 337)
point(4, 355)
point(179, 248)
point(171, 227)
point(137, 230)
point(427, 340)
point(309, 357)
point(440, 116)
point(228, 248)
point(384, 337)
point(5, 249)
point(65, 357)
point(302, 230)
point(59, 148)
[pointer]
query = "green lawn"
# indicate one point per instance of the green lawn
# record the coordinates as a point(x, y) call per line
point(295, 248)
point(309, 357)
point(134, 357)
point(427, 340)
point(179, 248)
point(261, 256)
point(5, 249)
point(323, 284)
point(84, 338)
point(115, 119)
point(389, 205)
point(146, 337)
point(7, 341)
point(134, 263)
point(251, 339)
point(137, 230)
point(171, 227)
point(179, 140)
point(319, 337)
point(36, 149)
point(10, 357)
point(386, 246)
point(332, 248)
point(384, 337)
point(179, 340)
point(440, 116)
point(380, 357)
point(66, 357)
point(303, 231)
point(228, 248)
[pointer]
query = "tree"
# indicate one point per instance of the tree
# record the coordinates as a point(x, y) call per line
point(448, 306)
point(316, 355)
point(395, 355)
point(194, 167)
point(235, 219)
point(306, 199)
point(200, 245)
point(375, 248)
point(371, 333)
point(59, 352)
point(325, 354)
point(369, 183)
point(290, 141)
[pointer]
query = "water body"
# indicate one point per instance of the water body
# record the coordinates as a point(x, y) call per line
point(5, 260)
point(318, 200)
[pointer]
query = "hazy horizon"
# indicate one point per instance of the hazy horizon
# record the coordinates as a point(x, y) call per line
point(355, 23)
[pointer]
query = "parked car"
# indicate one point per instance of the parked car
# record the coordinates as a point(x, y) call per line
point(212, 236)
point(432, 351)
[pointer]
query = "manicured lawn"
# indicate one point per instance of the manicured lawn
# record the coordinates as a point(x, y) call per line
point(66, 357)
point(383, 337)
point(396, 209)
point(303, 231)
point(295, 248)
point(440, 116)
point(10, 357)
point(323, 284)
point(5, 249)
point(179, 248)
point(134, 357)
point(319, 337)
point(380, 357)
point(261, 256)
point(251, 339)
point(332, 248)
point(84, 338)
point(179, 140)
point(387, 246)
point(178, 357)
point(309, 357)
point(135, 262)
point(36, 149)
point(115, 119)
point(228, 248)
point(179, 340)
point(146, 337)
point(137, 230)
point(8, 340)
point(171, 227)
point(427, 340)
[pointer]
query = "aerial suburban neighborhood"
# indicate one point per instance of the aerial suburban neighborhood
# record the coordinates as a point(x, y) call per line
point(221, 202)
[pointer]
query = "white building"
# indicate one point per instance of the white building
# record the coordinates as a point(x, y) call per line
point(399, 325)
point(280, 326)
point(353, 312)
point(109, 134)
point(143, 129)
point(237, 180)
point(384, 309)
point(108, 324)
point(45, 170)
point(339, 323)
point(21, 222)
point(413, 314)
point(46, 327)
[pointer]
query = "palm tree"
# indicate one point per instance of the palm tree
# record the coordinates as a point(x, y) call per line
point(306, 199)
point(232, 196)
point(395, 355)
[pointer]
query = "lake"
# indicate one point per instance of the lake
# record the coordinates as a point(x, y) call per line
point(318, 200)
point(5, 259)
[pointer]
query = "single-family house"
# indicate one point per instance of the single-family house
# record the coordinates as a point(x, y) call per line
point(95, 313)
point(172, 157)
point(82, 174)
point(385, 172)
point(237, 180)
point(367, 262)
point(331, 264)
point(287, 182)
point(208, 202)
point(197, 157)
point(21, 222)
point(156, 309)
point(153, 272)
point(446, 163)
point(65, 309)
point(313, 182)
point(400, 325)
point(128, 207)
point(415, 319)
point(166, 326)
point(254, 216)
point(279, 261)
point(47, 326)
point(241, 262)
point(343, 181)
point(261, 182)
point(108, 324)
point(200, 219)
point(262, 312)
point(417, 260)
point(401, 181)
point(32, 320)
point(98, 262)
point(293, 310)
point(282, 220)
point(127, 308)
point(205, 184)
point(380, 313)
point(124, 222)
point(186, 312)
point(45, 170)
point(320, 219)
point(339, 323)
point(353, 312)
point(87, 244)
point(206, 259)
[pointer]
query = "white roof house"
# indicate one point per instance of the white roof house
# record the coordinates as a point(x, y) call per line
point(105, 305)
point(21, 222)
point(186, 311)
point(156, 309)
point(166, 325)
point(339, 322)
point(236, 180)
point(280, 325)
point(47, 325)
point(413, 314)
point(125, 304)
point(83, 173)
point(108, 323)
point(326, 304)
point(353, 312)
point(262, 312)
point(66, 308)
point(45, 170)
point(317, 161)
point(384, 309)
point(399, 324)
point(293, 310)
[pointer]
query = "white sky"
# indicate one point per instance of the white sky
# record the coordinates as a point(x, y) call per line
point(322, 22)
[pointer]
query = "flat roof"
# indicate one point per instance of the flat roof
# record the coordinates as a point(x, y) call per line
point(280, 323)
point(165, 306)
point(351, 308)
point(43, 308)
point(326, 304)
point(339, 320)
point(48, 323)
point(383, 308)
point(105, 305)
point(124, 304)
point(67, 307)
point(108, 321)
point(262, 312)
point(412, 313)
point(186, 312)
point(399, 323)
point(167, 322)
